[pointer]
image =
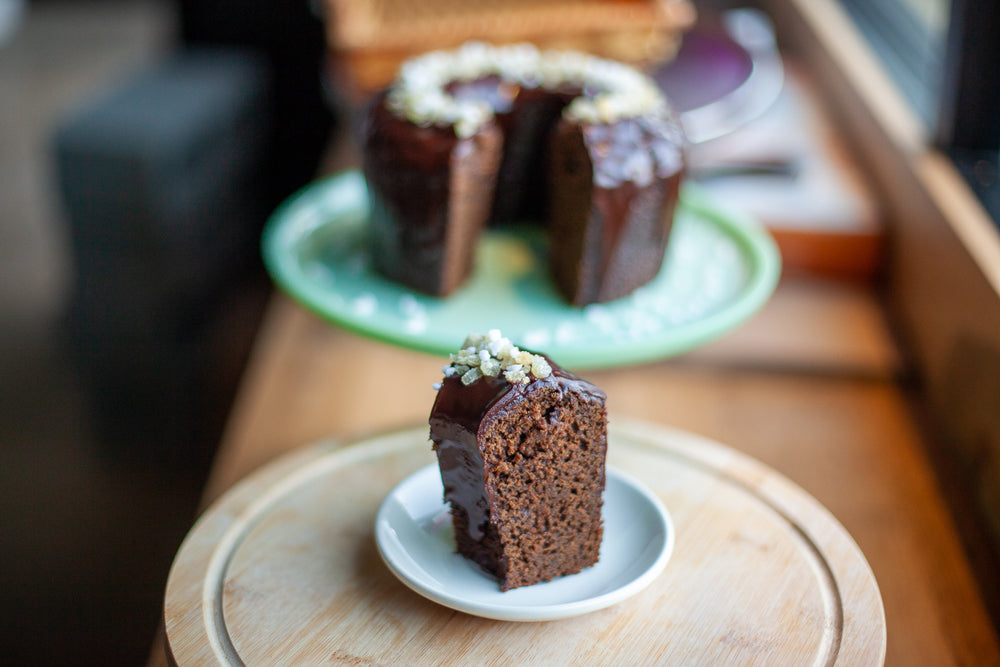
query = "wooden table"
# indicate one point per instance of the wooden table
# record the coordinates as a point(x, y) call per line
point(809, 386)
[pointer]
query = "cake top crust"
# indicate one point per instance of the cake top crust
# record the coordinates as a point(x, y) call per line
point(612, 91)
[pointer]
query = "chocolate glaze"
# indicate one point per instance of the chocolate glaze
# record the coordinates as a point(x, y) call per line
point(608, 199)
point(425, 187)
point(460, 413)
point(615, 189)
point(526, 116)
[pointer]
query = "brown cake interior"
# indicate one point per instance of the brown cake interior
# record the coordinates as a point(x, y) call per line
point(544, 463)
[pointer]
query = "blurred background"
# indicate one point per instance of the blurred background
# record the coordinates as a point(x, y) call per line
point(140, 153)
point(143, 144)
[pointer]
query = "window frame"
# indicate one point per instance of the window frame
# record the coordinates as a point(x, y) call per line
point(951, 80)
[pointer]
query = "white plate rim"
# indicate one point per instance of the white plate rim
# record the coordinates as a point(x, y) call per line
point(427, 480)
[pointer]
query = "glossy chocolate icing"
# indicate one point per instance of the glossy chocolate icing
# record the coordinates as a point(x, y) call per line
point(459, 414)
point(526, 116)
point(426, 190)
point(615, 190)
point(606, 191)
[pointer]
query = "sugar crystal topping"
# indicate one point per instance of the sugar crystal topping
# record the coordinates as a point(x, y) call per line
point(613, 90)
point(490, 355)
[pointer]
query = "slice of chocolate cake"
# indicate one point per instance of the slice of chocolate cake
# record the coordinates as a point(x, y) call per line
point(521, 444)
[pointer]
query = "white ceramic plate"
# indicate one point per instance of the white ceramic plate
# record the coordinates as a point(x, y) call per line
point(416, 540)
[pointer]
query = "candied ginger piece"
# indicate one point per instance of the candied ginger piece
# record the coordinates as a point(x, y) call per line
point(540, 368)
point(490, 367)
point(491, 354)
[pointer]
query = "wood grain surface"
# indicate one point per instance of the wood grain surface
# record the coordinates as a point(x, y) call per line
point(284, 569)
point(845, 432)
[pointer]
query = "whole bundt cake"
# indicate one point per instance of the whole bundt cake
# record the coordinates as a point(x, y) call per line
point(489, 135)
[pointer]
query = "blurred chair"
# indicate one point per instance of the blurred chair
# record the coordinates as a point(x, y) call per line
point(163, 184)
point(167, 179)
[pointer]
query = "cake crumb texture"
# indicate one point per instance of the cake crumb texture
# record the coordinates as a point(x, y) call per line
point(544, 462)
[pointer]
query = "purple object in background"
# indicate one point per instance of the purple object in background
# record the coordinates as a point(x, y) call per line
point(708, 66)
point(727, 72)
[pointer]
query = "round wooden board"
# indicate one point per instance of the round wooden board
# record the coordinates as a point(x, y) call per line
point(283, 569)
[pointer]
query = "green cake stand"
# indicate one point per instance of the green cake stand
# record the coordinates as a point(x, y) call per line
point(720, 268)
